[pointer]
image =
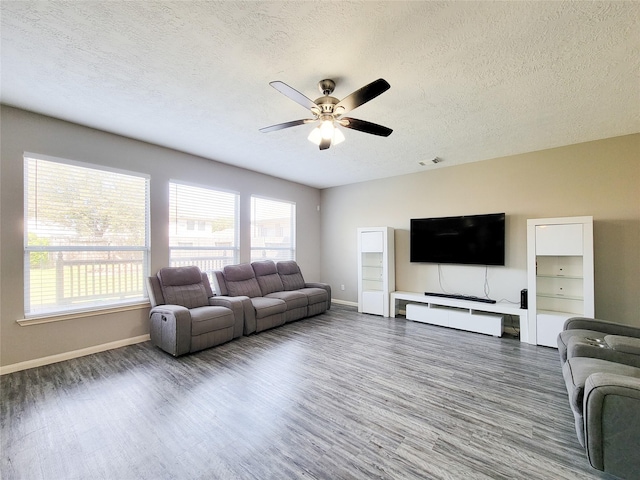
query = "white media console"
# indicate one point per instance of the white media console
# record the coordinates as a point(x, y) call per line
point(468, 315)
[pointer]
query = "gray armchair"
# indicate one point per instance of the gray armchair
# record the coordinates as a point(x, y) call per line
point(601, 369)
point(185, 316)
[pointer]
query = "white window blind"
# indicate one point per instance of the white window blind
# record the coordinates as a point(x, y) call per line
point(273, 228)
point(86, 236)
point(203, 227)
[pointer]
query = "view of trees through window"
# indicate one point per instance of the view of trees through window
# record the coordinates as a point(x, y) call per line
point(86, 236)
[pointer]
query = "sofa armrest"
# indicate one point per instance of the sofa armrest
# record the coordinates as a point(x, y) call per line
point(326, 286)
point(249, 323)
point(603, 326)
point(236, 305)
point(171, 328)
point(612, 423)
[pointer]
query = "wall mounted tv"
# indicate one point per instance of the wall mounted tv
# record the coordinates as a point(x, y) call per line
point(465, 240)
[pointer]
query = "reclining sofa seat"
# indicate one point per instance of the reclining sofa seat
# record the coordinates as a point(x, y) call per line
point(271, 286)
point(317, 293)
point(600, 365)
point(272, 293)
point(185, 317)
point(260, 313)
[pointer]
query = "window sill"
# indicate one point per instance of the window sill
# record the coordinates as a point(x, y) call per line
point(23, 322)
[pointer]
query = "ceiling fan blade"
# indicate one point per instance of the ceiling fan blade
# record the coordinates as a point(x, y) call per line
point(363, 95)
point(293, 94)
point(325, 143)
point(280, 126)
point(364, 126)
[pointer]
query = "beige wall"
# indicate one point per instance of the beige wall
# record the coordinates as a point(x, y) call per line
point(600, 178)
point(22, 131)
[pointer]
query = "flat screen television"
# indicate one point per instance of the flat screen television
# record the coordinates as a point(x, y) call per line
point(465, 240)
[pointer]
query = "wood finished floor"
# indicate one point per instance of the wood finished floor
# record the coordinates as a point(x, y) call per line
point(337, 396)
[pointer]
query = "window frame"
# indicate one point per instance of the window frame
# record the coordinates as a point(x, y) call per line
point(76, 304)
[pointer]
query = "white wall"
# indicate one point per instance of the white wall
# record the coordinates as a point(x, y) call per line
point(600, 178)
point(23, 131)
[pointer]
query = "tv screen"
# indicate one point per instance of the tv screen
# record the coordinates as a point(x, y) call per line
point(465, 240)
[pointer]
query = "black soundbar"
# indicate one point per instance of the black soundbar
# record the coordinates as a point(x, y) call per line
point(460, 297)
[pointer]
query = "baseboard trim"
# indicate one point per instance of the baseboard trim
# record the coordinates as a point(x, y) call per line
point(344, 302)
point(61, 357)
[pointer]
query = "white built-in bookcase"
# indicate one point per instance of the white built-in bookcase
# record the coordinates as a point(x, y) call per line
point(376, 269)
point(560, 274)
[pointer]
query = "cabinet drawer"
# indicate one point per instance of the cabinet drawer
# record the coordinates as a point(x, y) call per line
point(427, 314)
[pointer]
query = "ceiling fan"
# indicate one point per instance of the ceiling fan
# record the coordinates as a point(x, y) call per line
point(328, 111)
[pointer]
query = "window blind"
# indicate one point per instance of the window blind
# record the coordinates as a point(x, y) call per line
point(203, 227)
point(86, 236)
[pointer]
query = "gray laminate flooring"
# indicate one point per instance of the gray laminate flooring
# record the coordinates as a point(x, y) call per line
point(337, 396)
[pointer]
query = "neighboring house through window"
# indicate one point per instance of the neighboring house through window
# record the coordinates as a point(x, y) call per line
point(273, 229)
point(203, 227)
point(86, 236)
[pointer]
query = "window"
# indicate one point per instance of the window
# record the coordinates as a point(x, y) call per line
point(86, 236)
point(273, 228)
point(203, 227)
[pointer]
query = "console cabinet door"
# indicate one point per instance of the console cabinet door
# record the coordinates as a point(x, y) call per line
point(559, 239)
point(372, 242)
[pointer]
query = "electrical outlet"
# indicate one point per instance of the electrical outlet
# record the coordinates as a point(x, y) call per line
point(342, 287)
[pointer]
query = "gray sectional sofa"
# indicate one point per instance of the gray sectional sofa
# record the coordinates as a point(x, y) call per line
point(187, 316)
point(272, 293)
point(601, 369)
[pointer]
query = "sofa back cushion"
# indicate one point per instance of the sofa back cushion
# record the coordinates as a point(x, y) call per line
point(183, 286)
point(241, 280)
point(267, 276)
point(290, 275)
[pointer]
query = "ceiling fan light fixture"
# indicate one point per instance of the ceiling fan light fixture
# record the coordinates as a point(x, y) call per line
point(327, 129)
point(316, 135)
point(328, 111)
point(338, 137)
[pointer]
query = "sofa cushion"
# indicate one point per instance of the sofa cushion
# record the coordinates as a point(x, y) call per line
point(291, 275)
point(183, 286)
point(293, 299)
point(315, 295)
point(576, 371)
point(267, 276)
point(209, 319)
point(241, 280)
point(623, 344)
point(266, 307)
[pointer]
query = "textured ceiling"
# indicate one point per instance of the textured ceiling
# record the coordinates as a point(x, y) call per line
point(469, 80)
